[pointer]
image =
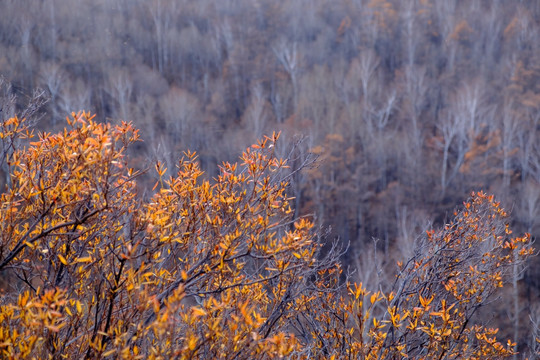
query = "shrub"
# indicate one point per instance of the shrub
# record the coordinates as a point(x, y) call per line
point(218, 269)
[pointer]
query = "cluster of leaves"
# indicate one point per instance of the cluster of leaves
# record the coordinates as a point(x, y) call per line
point(429, 312)
point(218, 269)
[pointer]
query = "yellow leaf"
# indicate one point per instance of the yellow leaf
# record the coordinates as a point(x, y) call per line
point(92, 142)
point(54, 328)
point(30, 245)
point(109, 353)
point(62, 259)
point(192, 343)
point(198, 312)
point(79, 307)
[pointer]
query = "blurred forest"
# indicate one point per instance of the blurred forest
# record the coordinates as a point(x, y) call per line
point(408, 105)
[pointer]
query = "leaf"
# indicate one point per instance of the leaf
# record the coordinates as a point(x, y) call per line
point(196, 311)
point(109, 353)
point(192, 343)
point(62, 259)
point(79, 307)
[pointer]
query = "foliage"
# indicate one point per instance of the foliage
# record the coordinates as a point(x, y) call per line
point(218, 269)
point(429, 312)
point(411, 104)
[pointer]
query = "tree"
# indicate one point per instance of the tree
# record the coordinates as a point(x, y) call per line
point(256, 114)
point(180, 108)
point(436, 295)
point(289, 58)
point(52, 79)
point(163, 19)
point(120, 89)
point(452, 130)
point(105, 273)
point(218, 269)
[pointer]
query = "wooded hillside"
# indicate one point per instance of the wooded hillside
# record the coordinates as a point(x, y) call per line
point(408, 106)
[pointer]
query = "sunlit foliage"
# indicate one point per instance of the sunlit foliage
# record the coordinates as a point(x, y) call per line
point(218, 269)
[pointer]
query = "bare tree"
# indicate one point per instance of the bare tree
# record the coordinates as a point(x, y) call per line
point(256, 115)
point(288, 56)
point(318, 100)
point(162, 16)
point(509, 124)
point(120, 89)
point(181, 111)
point(369, 267)
point(452, 129)
point(410, 224)
point(74, 96)
point(52, 78)
point(416, 89)
point(445, 13)
point(53, 27)
point(409, 14)
point(526, 140)
point(280, 99)
point(25, 27)
point(367, 64)
point(380, 133)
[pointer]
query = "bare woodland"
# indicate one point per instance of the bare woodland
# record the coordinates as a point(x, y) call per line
point(393, 110)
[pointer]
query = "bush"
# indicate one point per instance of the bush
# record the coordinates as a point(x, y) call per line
point(218, 269)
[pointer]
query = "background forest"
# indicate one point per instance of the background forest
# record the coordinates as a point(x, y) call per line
point(408, 105)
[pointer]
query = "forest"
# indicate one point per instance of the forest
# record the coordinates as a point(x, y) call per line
point(390, 113)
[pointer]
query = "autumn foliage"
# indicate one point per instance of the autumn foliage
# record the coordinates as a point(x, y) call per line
point(218, 268)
